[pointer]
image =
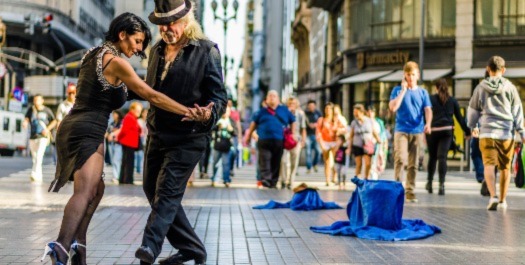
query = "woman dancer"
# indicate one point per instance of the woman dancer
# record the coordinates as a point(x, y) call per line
point(102, 87)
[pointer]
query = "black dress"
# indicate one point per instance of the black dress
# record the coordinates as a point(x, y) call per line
point(82, 130)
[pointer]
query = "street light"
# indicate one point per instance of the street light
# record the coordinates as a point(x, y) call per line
point(225, 19)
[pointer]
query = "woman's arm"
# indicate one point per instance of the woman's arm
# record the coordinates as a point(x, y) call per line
point(460, 119)
point(350, 140)
point(249, 133)
point(123, 71)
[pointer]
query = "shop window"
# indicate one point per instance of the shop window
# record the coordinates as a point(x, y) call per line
point(500, 17)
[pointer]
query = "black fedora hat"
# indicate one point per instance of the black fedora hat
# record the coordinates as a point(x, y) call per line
point(167, 11)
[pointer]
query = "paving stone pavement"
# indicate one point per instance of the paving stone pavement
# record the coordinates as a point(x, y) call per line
point(236, 234)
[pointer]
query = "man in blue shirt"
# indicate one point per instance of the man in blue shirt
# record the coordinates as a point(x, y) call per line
point(413, 117)
point(270, 123)
point(313, 150)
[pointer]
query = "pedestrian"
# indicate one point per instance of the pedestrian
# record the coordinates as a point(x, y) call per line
point(270, 123)
point(235, 154)
point(362, 141)
point(413, 109)
point(290, 159)
point(129, 139)
point(444, 108)
point(340, 161)
point(139, 154)
point(42, 122)
point(222, 148)
point(477, 160)
point(65, 106)
point(379, 159)
point(496, 107)
point(103, 82)
point(186, 66)
point(313, 151)
point(114, 147)
point(204, 161)
point(327, 128)
point(63, 109)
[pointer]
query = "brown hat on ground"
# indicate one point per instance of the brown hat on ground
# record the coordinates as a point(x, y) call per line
point(302, 187)
point(167, 11)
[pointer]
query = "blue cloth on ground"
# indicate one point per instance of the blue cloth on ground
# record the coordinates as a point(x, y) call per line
point(306, 200)
point(375, 212)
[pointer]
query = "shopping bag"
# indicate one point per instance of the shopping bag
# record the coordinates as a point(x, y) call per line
point(519, 168)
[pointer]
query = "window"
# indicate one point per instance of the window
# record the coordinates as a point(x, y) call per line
point(18, 125)
point(361, 20)
point(500, 17)
point(340, 30)
point(6, 124)
point(391, 20)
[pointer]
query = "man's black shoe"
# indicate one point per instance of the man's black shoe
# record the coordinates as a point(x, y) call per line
point(266, 183)
point(180, 258)
point(145, 254)
point(484, 189)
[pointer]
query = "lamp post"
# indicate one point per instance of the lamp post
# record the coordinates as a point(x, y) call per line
point(225, 19)
point(422, 42)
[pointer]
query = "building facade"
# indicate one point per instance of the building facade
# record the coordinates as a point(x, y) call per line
point(30, 47)
point(369, 41)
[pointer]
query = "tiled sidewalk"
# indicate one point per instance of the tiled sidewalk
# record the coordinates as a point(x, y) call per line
point(235, 234)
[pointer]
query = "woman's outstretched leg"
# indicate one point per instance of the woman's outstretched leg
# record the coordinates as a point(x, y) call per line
point(86, 186)
point(81, 236)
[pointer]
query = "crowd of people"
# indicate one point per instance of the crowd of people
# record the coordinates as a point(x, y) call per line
point(424, 122)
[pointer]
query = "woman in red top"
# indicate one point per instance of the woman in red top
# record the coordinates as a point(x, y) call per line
point(129, 137)
point(326, 136)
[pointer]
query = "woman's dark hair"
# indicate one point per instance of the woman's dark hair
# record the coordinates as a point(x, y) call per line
point(131, 24)
point(442, 88)
point(119, 114)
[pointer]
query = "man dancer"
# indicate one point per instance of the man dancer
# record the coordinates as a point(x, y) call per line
point(187, 67)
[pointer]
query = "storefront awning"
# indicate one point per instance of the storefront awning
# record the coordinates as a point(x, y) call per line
point(364, 77)
point(428, 75)
point(474, 73)
point(479, 73)
point(514, 73)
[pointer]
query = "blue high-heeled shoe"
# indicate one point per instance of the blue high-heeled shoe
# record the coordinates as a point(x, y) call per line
point(73, 252)
point(50, 250)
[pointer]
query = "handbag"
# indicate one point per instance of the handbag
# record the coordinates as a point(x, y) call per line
point(38, 126)
point(369, 147)
point(222, 144)
point(289, 142)
point(519, 168)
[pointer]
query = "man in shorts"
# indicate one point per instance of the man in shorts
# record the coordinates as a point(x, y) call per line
point(497, 107)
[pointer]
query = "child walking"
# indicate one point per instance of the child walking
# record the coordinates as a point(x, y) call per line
point(340, 161)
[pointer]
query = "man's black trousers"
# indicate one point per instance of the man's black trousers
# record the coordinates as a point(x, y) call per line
point(167, 168)
point(270, 153)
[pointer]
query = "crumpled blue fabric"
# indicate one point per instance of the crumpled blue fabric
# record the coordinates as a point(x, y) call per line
point(306, 200)
point(375, 212)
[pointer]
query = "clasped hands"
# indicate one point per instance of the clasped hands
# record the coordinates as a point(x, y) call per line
point(198, 113)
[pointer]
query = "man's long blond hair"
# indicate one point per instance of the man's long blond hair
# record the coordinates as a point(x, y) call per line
point(193, 30)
